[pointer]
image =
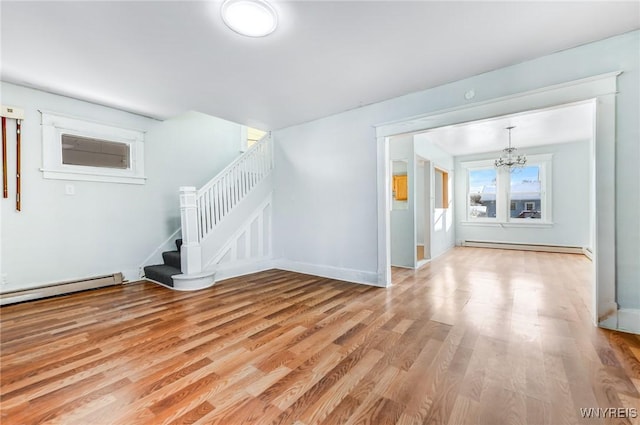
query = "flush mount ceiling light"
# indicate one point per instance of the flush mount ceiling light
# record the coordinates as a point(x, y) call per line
point(253, 18)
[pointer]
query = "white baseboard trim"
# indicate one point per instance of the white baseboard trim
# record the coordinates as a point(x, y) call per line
point(348, 275)
point(629, 320)
point(447, 249)
point(59, 289)
point(525, 246)
point(611, 322)
point(146, 279)
point(240, 268)
point(608, 315)
point(403, 267)
point(422, 263)
point(130, 275)
point(587, 253)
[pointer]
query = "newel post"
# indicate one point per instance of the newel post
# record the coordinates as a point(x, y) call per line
point(190, 253)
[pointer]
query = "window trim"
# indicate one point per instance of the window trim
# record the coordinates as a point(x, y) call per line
point(545, 163)
point(503, 198)
point(479, 165)
point(54, 125)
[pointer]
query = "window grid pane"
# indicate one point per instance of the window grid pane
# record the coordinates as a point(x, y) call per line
point(482, 193)
point(525, 192)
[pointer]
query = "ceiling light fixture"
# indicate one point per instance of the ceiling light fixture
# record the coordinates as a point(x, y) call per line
point(510, 160)
point(252, 18)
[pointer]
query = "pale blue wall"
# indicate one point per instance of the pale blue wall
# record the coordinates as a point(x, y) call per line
point(325, 174)
point(570, 200)
point(403, 234)
point(105, 227)
point(442, 233)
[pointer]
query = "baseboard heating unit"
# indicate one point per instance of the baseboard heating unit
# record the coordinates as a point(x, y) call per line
point(526, 247)
point(12, 297)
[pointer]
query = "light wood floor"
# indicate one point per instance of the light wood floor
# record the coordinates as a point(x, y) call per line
point(477, 337)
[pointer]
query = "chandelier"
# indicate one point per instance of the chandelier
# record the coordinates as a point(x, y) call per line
point(509, 159)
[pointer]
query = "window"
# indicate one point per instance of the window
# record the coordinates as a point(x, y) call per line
point(482, 193)
point(76, 149)
point(521, 195)
point(525, 192)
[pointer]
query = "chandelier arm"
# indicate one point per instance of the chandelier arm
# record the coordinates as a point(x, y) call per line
point(510, 161)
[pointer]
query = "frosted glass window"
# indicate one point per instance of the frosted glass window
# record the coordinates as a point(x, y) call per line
point(77, 150)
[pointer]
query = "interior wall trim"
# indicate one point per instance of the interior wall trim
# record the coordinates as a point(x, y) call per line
point(348, 275)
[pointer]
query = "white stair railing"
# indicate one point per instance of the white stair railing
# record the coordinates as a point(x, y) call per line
point(216, 199)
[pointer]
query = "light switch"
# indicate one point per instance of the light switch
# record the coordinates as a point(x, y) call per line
point(69, 189)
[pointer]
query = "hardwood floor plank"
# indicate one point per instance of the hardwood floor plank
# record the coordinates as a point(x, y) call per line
point(288, 390)
point(323, 405)
point(193, 415)
point(455, 343)
point(538, 412)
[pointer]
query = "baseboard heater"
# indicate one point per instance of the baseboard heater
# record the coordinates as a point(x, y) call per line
point(61, 288)
point(526, 247)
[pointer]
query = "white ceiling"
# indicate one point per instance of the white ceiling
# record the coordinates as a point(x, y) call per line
point(569, 123)
point(161, 58)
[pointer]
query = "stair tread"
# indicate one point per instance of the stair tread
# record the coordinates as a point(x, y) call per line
point(163, 267)
point(161, 273)
point(172, 258)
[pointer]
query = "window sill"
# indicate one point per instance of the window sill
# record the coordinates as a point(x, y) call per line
point(537, 225)
point(84, 176)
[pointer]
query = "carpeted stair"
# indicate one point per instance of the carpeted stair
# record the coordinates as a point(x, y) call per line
point(162, 272)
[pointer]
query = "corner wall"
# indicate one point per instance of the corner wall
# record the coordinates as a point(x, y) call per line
point(105, 227)
point(325, 182)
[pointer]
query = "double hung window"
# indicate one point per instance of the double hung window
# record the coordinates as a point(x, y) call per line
point(503, 195)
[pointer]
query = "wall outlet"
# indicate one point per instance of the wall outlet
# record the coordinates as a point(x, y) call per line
point(3, 279)
point(69, 189)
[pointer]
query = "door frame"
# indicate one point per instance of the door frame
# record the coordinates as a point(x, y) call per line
point(601, 88)
point(426, 206)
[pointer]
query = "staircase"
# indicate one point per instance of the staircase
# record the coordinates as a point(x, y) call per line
point(226, 225)
point(163, 273)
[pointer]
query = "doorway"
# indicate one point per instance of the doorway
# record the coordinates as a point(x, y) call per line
point(600, 89)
